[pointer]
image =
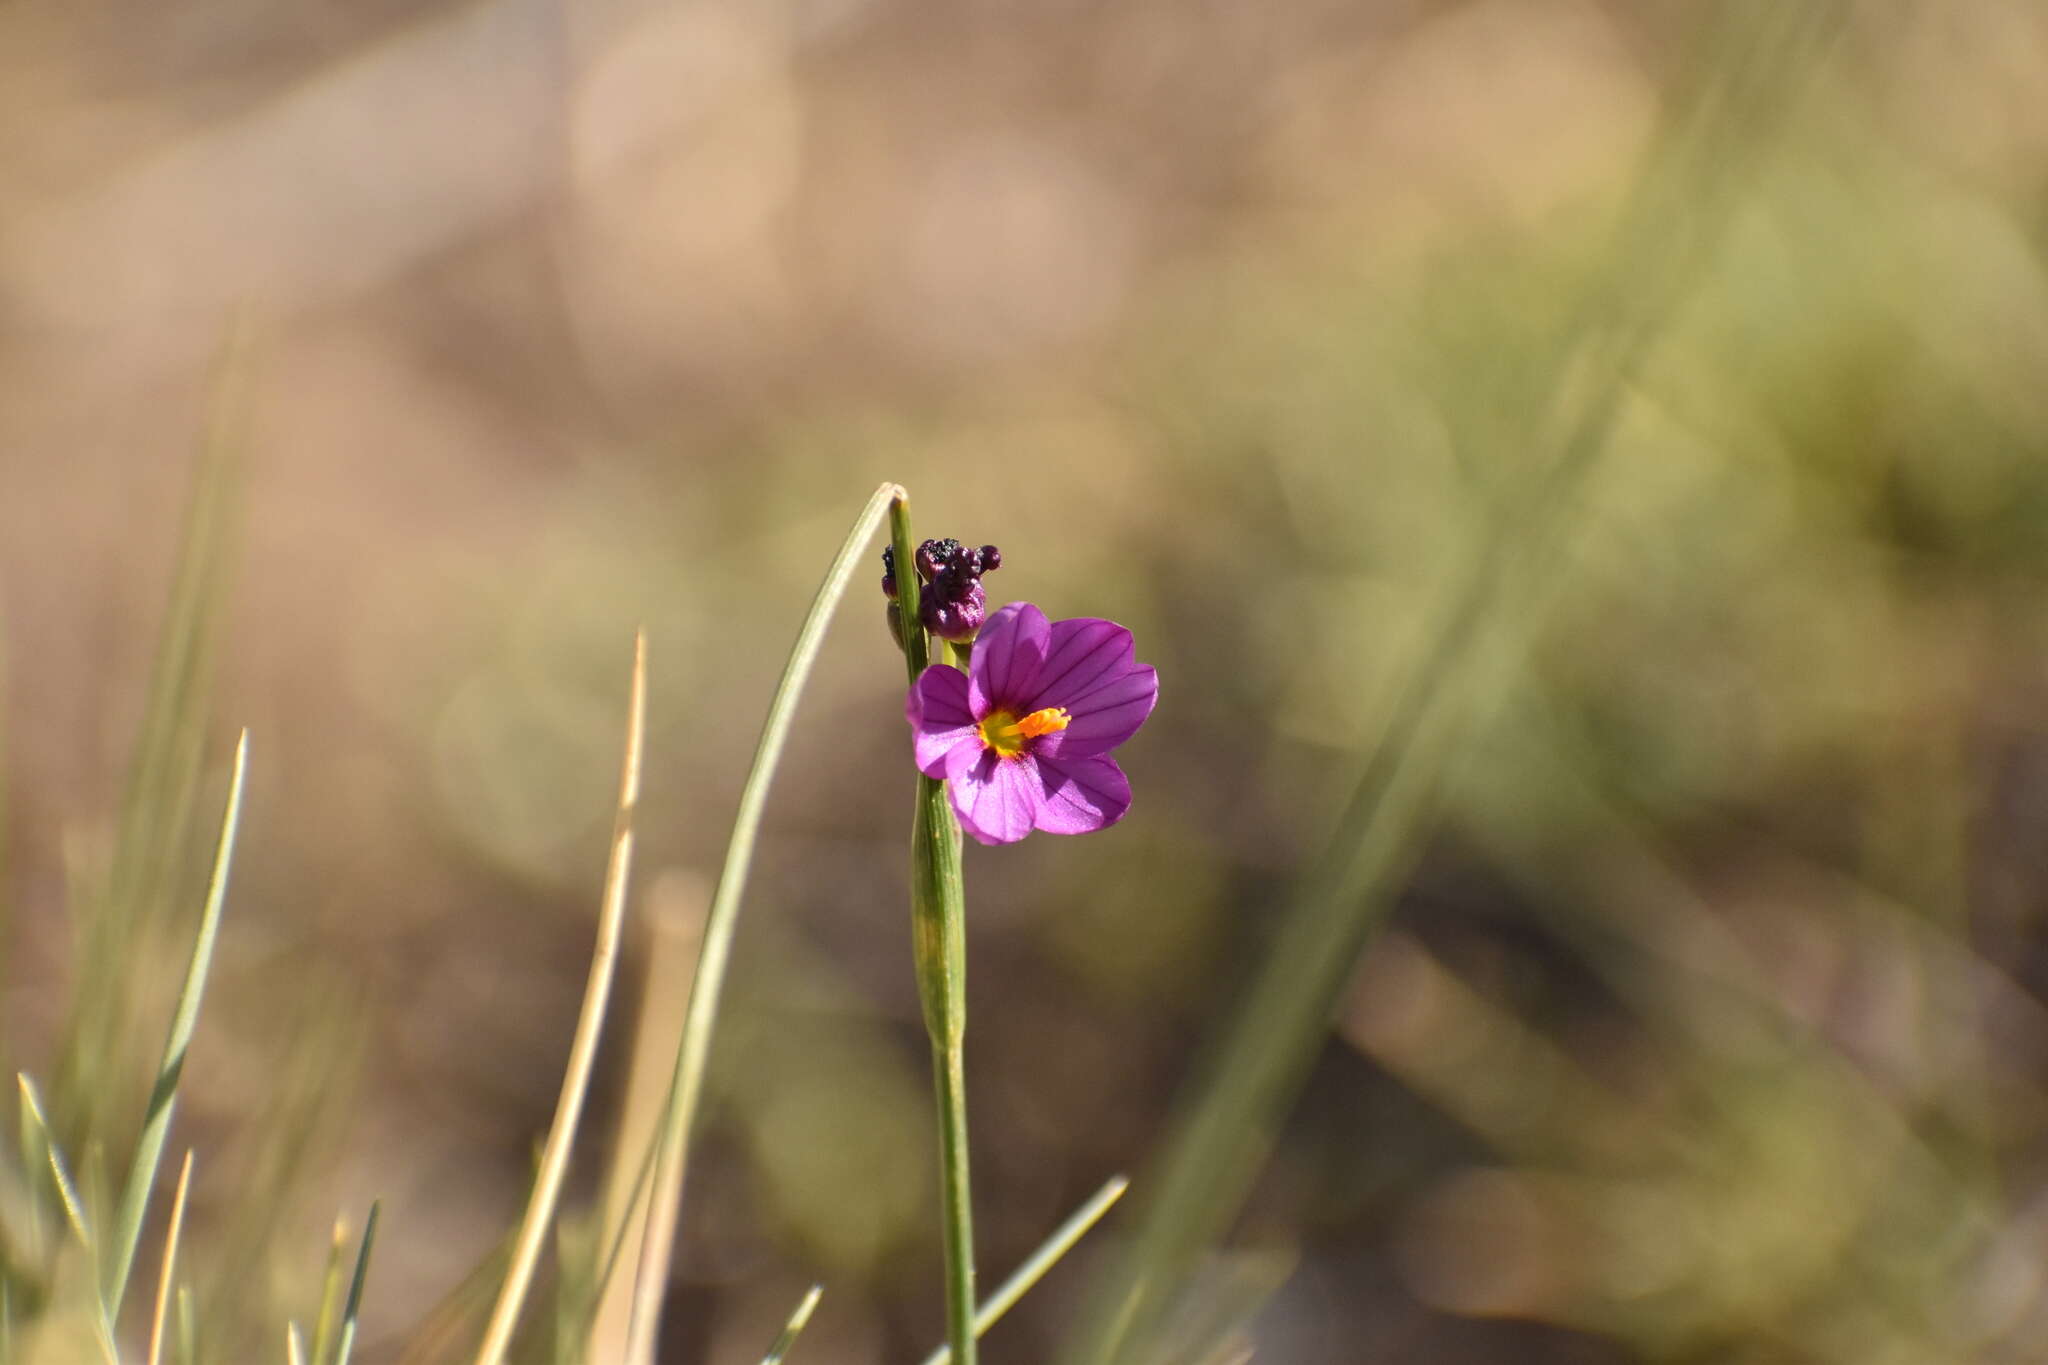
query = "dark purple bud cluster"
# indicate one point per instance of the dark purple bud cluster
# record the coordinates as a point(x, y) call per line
point(952, 603)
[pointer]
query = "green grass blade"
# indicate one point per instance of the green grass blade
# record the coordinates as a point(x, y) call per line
point(163, 781)
point(163, 1097)
point(76, 1212)
point(355, 1288)
point(604, 959)
point(36, 1120)
point(188, 1327)
point(1664, 239)
point(792, 1329)
point(1039, 1262)
point(672, 1141)
point(327, 1322)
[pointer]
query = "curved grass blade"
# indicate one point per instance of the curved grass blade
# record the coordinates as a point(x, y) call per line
point(712, 958)
point(798, 1320)
point(355, 1287)
point(604, 960)
point(1039, 1262)
point(163, 1097)
point(170, 1265)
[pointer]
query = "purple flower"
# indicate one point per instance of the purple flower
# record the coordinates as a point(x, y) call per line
point(1023, 739)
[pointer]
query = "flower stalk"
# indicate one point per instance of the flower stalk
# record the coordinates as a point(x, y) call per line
point(939, 951)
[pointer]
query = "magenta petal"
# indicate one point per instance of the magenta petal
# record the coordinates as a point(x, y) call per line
point(1080, 653)
point(1110, 713)
point(940, 721)
point(1081, 795)
point(998, 800)
point(1007, 657)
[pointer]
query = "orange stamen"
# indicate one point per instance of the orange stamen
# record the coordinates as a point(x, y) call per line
point(1006, 733)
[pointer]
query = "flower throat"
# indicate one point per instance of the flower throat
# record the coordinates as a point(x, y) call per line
point(1007, 733)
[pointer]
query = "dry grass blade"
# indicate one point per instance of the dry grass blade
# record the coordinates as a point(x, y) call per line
point(170, 1265)
point(688, 1075)
point(163, 1096)
point(604, 960)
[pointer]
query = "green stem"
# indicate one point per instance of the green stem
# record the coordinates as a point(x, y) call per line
point(939, 949)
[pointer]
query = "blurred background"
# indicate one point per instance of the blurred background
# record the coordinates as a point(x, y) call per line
point(1706, 1022)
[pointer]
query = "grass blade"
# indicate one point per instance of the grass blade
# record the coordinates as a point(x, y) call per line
point(170, 1265)
point(1039, 1262)
point(673, 916)
point(327, 1322)
point(798, 1320)
point(163, 780)
point(36, 1120)
point(1663, 241)
point(355, 1288)
point(712, 959)
point(294, 1345)
point(188, 1327)
point(604, 959)
point(163, 1097)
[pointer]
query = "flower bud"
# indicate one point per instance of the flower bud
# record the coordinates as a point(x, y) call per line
point(957, 612)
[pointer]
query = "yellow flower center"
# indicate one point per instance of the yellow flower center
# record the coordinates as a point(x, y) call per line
point(1006, 733)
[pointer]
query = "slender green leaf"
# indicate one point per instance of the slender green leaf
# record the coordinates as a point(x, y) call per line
point(355, 1288)
point(1039, 1262)
point(672, 1141)
point(163, 1097)
point(163, 783)
point(36, 1119)
point(327, 1322)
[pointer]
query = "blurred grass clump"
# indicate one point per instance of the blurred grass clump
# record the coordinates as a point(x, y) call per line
point(1684, 940)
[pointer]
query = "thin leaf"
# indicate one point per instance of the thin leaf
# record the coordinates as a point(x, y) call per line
point(170, 1265)
point(355, 1289)
point(294, 1345)
point(188, 1327)
point(163, 781)
point(327, 1322)
point(163, 1097)
point(1039, 1262)
point(672, 1142)
point(792, 1329)
point(604, 958)
point(36, 1119)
